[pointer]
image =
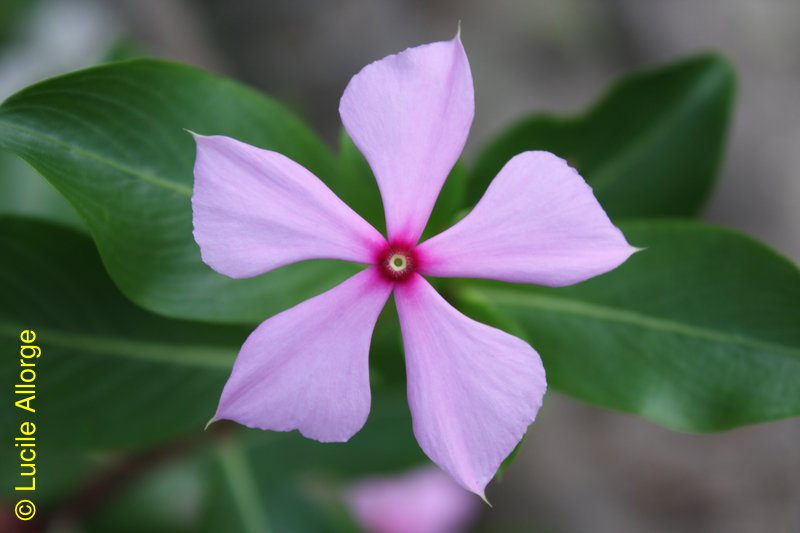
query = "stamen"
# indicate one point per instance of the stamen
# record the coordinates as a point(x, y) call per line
point(397, 262)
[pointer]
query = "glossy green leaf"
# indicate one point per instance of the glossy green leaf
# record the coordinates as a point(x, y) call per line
point(652, 146)
point(386, 443)
point(356, 185)
point(111, 376)
point(24, 192)
point(699, 332)
point(111, 140)
point(386, 358)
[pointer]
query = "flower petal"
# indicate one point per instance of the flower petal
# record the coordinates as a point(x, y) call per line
point(423, 500)
point(307, 368)
point(538, 222)
point(255, 210)
point(473, 389)
point(410, 114)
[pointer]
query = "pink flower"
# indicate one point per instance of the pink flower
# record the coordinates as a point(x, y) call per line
point(420, 501)
point(473, 389)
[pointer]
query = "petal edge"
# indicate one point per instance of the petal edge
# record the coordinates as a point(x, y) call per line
point(255, 210)
point(410, 114)
point(307, 368)
point(473, 389)
point(538, 222)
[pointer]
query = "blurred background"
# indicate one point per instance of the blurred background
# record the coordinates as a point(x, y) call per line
point(581, 469)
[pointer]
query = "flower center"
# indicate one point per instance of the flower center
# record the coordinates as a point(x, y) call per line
point(397, 263)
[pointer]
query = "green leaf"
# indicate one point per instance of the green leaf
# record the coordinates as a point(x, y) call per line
point(451, 202)
point(651, 146)
point(386, 443)
point(111, 140)
point(24, 192)
point(698, 332)
point(386, 359)
point(356, 185)
point(110, 376)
